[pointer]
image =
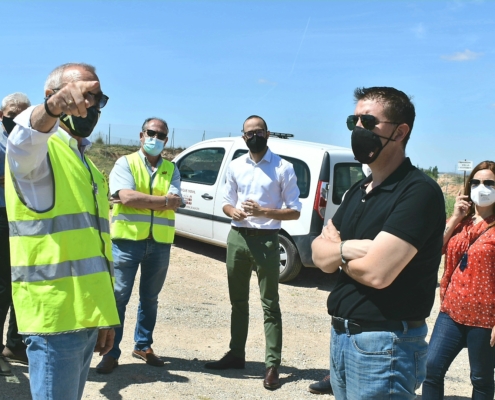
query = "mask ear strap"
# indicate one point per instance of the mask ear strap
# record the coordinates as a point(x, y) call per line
point(389, 139)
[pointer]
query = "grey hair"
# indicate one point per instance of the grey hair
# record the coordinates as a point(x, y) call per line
point(145, 123)
point(17, 98)
point(54, 80)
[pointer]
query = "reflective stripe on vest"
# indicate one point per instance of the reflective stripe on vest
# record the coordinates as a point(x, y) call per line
point(57, 224)
point(65, 269)
point(61, 259)
point(144, 218)
point(136, 224)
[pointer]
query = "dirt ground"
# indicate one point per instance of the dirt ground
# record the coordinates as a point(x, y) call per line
point(193, 328)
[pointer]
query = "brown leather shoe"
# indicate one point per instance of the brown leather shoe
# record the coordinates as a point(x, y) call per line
point(107, 364)
point(149, 356)
point(271, 381)
point(17, 356)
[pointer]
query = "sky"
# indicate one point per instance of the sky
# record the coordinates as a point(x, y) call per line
point(204, 66)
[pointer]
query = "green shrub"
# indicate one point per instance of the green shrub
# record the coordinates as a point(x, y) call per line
point(449, 204)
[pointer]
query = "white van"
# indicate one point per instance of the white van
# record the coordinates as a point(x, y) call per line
point(324, 174)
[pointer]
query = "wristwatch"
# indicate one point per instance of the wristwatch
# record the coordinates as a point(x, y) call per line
point(342, 258)
point(166, 201)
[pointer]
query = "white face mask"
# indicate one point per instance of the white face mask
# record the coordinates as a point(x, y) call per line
point(483, 196)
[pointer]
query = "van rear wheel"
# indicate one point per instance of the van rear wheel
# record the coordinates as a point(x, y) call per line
point(290, 261)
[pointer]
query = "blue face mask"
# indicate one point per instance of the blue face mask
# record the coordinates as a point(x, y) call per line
point(153, 146)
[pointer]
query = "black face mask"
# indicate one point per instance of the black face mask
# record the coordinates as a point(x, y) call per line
point(366, 145)
point(8, 124)
point(256, 144)
point(79, 126)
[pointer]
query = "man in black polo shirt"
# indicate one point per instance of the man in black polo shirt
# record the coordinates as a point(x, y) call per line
point(387, 238)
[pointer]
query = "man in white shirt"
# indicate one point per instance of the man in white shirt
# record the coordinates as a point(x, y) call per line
point(258, 185)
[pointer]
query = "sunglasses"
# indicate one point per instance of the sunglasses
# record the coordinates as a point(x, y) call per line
point(369, 121)
point(486, 182)
point(158, 134)
point(100, 98)
point(258, 132)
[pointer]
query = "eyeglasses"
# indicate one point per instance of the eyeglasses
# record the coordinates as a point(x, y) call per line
point(257, 132)
point(100, 98)
point(369, 121)
point(158, 134)
point(486, 182)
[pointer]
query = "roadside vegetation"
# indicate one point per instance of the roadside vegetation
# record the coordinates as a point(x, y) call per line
point(105, 155)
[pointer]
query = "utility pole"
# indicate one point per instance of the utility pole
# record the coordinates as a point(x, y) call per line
point(108, 133)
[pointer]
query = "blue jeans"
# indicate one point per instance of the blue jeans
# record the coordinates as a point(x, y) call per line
point(378, 365)
point(154, 258)
point(447, 340)
point(59, 364)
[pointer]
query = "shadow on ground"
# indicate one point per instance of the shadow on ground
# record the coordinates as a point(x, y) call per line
point(138, 373)
point(308, 277)
point(205, 249)
point(15, 386)
point(132, 374)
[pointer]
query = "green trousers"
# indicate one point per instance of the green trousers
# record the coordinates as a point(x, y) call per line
point(262, 252)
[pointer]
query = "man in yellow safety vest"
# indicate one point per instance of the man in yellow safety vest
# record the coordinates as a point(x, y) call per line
point(57, 206)
point(147, 192)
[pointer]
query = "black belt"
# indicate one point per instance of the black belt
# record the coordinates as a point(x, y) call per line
point(254, 231)
point(355, 327)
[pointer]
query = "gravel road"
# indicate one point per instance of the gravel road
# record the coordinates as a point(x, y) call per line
point(193, 328)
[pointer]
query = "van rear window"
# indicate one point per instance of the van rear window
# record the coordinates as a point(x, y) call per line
point(345, 175)
point(300, 168)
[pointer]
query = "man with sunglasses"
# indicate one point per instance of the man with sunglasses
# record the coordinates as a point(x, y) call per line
point(57, 205)
point(260, 192)
point(146, 192)
point(387, 238)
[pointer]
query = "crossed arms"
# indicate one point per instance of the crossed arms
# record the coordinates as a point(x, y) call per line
point(375, 263)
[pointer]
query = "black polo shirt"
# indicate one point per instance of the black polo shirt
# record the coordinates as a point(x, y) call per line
point(409, 205)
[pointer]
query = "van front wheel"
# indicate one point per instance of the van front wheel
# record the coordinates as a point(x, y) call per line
point(290, 262)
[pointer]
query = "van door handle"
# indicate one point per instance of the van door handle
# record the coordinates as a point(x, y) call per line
point(206, 196)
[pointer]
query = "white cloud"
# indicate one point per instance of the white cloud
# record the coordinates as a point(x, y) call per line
point(420, 31)
point(465, 55)
point(262, 81)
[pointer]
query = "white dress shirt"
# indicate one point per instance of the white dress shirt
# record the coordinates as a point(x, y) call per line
point(27, 155)
point(271, 183)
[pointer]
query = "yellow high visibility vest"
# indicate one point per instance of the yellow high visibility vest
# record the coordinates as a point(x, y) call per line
point(137, 224)
point(62, 265)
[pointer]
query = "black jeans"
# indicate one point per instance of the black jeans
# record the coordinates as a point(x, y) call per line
point(14, 340)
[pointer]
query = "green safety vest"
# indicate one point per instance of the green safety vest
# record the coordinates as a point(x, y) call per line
point(62, 268)
point(137, 223)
